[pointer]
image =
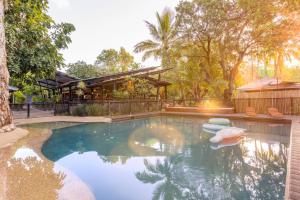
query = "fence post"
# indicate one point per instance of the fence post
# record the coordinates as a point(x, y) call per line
point(129, 107)
point(54, 109)
point(68, 107)
point(28, 110)
point(108, 107)
point(148, 106)
point(292, 106)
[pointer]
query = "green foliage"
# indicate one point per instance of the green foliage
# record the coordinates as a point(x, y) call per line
point(38, 99)
point(94, 110)
point(19, 97)
point(83, 70)
point(121, 94)
point(112, 61)
point(228, 31)
point(80, 89)
point(87, 110)
point(33, 40)
point(163, 37)
point(56, 98)
point(79, 110)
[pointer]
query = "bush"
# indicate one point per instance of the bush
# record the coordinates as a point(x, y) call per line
point(78, 111)
point(94, 110)
point(87, 110)
point(19, 97)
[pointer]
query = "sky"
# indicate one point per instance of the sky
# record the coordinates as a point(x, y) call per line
point(104, 24)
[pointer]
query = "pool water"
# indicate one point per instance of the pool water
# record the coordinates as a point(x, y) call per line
point(172, 158)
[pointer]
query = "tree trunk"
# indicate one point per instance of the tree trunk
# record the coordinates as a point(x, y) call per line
point(5, 114)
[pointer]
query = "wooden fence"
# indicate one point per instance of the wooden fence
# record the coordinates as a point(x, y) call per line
point(288, 106)
point(112, 107)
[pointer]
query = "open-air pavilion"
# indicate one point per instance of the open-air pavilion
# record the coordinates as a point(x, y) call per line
point(102, 88)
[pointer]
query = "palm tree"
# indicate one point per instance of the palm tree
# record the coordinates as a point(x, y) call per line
point(5, 115)
point(163, 35)
point(161, 174)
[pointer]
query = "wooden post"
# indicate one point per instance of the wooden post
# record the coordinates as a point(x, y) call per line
point(108, 107)
point(28, 110)
point(129, 106)
point(158, 87)
point(70, 93)
point(92, 93)
point(148, 106)
point(166, 92)
point(292, 106)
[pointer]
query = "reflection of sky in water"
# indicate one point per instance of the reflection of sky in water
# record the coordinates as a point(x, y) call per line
point(172, 157)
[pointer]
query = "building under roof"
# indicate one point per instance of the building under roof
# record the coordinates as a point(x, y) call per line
point(102, 87)
point(269, 92)
point(269, 84)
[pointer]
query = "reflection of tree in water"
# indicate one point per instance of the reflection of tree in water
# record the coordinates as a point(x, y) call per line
point(229, 173)
point(31, 179)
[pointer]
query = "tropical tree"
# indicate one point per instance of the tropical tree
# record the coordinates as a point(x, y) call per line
point(33, 39)
point(163, 37)
point(113, 61)
point(83, 70)
point(5, 115)
point(234, 28)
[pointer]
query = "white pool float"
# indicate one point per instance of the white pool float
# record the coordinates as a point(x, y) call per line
point(209, 131)
point(213, 127)
point(226, 143)
point(229, 132)
point(219, 121)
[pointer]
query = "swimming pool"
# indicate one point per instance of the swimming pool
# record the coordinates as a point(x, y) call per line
point(172, 158)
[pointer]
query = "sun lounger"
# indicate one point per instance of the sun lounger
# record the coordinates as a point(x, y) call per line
point(274, 112)
point(250, 111)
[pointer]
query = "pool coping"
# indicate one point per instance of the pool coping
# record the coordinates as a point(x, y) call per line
point(292, 189)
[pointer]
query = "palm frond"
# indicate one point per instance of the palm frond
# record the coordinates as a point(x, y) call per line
point(156, 53)
point(153, 31)
point(145, 45)
point(148, 177)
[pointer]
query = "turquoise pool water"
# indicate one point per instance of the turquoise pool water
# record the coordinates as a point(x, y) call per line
point(172, 158)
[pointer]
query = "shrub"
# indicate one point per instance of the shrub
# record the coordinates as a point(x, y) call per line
point(87, 110)
point(94, 110)
point(19, 97)
point(38, 99)
point(78, 111)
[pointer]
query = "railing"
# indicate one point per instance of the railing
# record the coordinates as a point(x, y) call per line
point(112, 107)
point(132, 106)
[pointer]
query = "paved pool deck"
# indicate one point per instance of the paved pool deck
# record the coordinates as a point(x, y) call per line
point(293, 173)
point(62, 119)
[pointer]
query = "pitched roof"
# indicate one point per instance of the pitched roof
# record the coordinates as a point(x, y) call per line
point(267, 84)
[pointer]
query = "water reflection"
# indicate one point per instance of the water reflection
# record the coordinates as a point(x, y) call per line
point(171, 158)
point(27, 175)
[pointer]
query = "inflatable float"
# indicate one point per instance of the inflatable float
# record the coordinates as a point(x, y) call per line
point(227, 133)
point(226, 143)
point(213, 127)
point(219, 121)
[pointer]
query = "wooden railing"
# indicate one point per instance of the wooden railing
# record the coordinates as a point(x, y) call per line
point(113, 107)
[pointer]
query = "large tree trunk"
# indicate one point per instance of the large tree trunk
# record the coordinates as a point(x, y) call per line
point(5, 114)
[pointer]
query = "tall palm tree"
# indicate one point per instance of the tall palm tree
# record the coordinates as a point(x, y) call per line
point(163, 37)
point(5, 115)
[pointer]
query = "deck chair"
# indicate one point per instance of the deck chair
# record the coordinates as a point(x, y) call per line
point(250, 111)
point(274, 112)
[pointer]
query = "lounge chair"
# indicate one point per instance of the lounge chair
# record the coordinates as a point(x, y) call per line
point(250, 111)
point(274, 112)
